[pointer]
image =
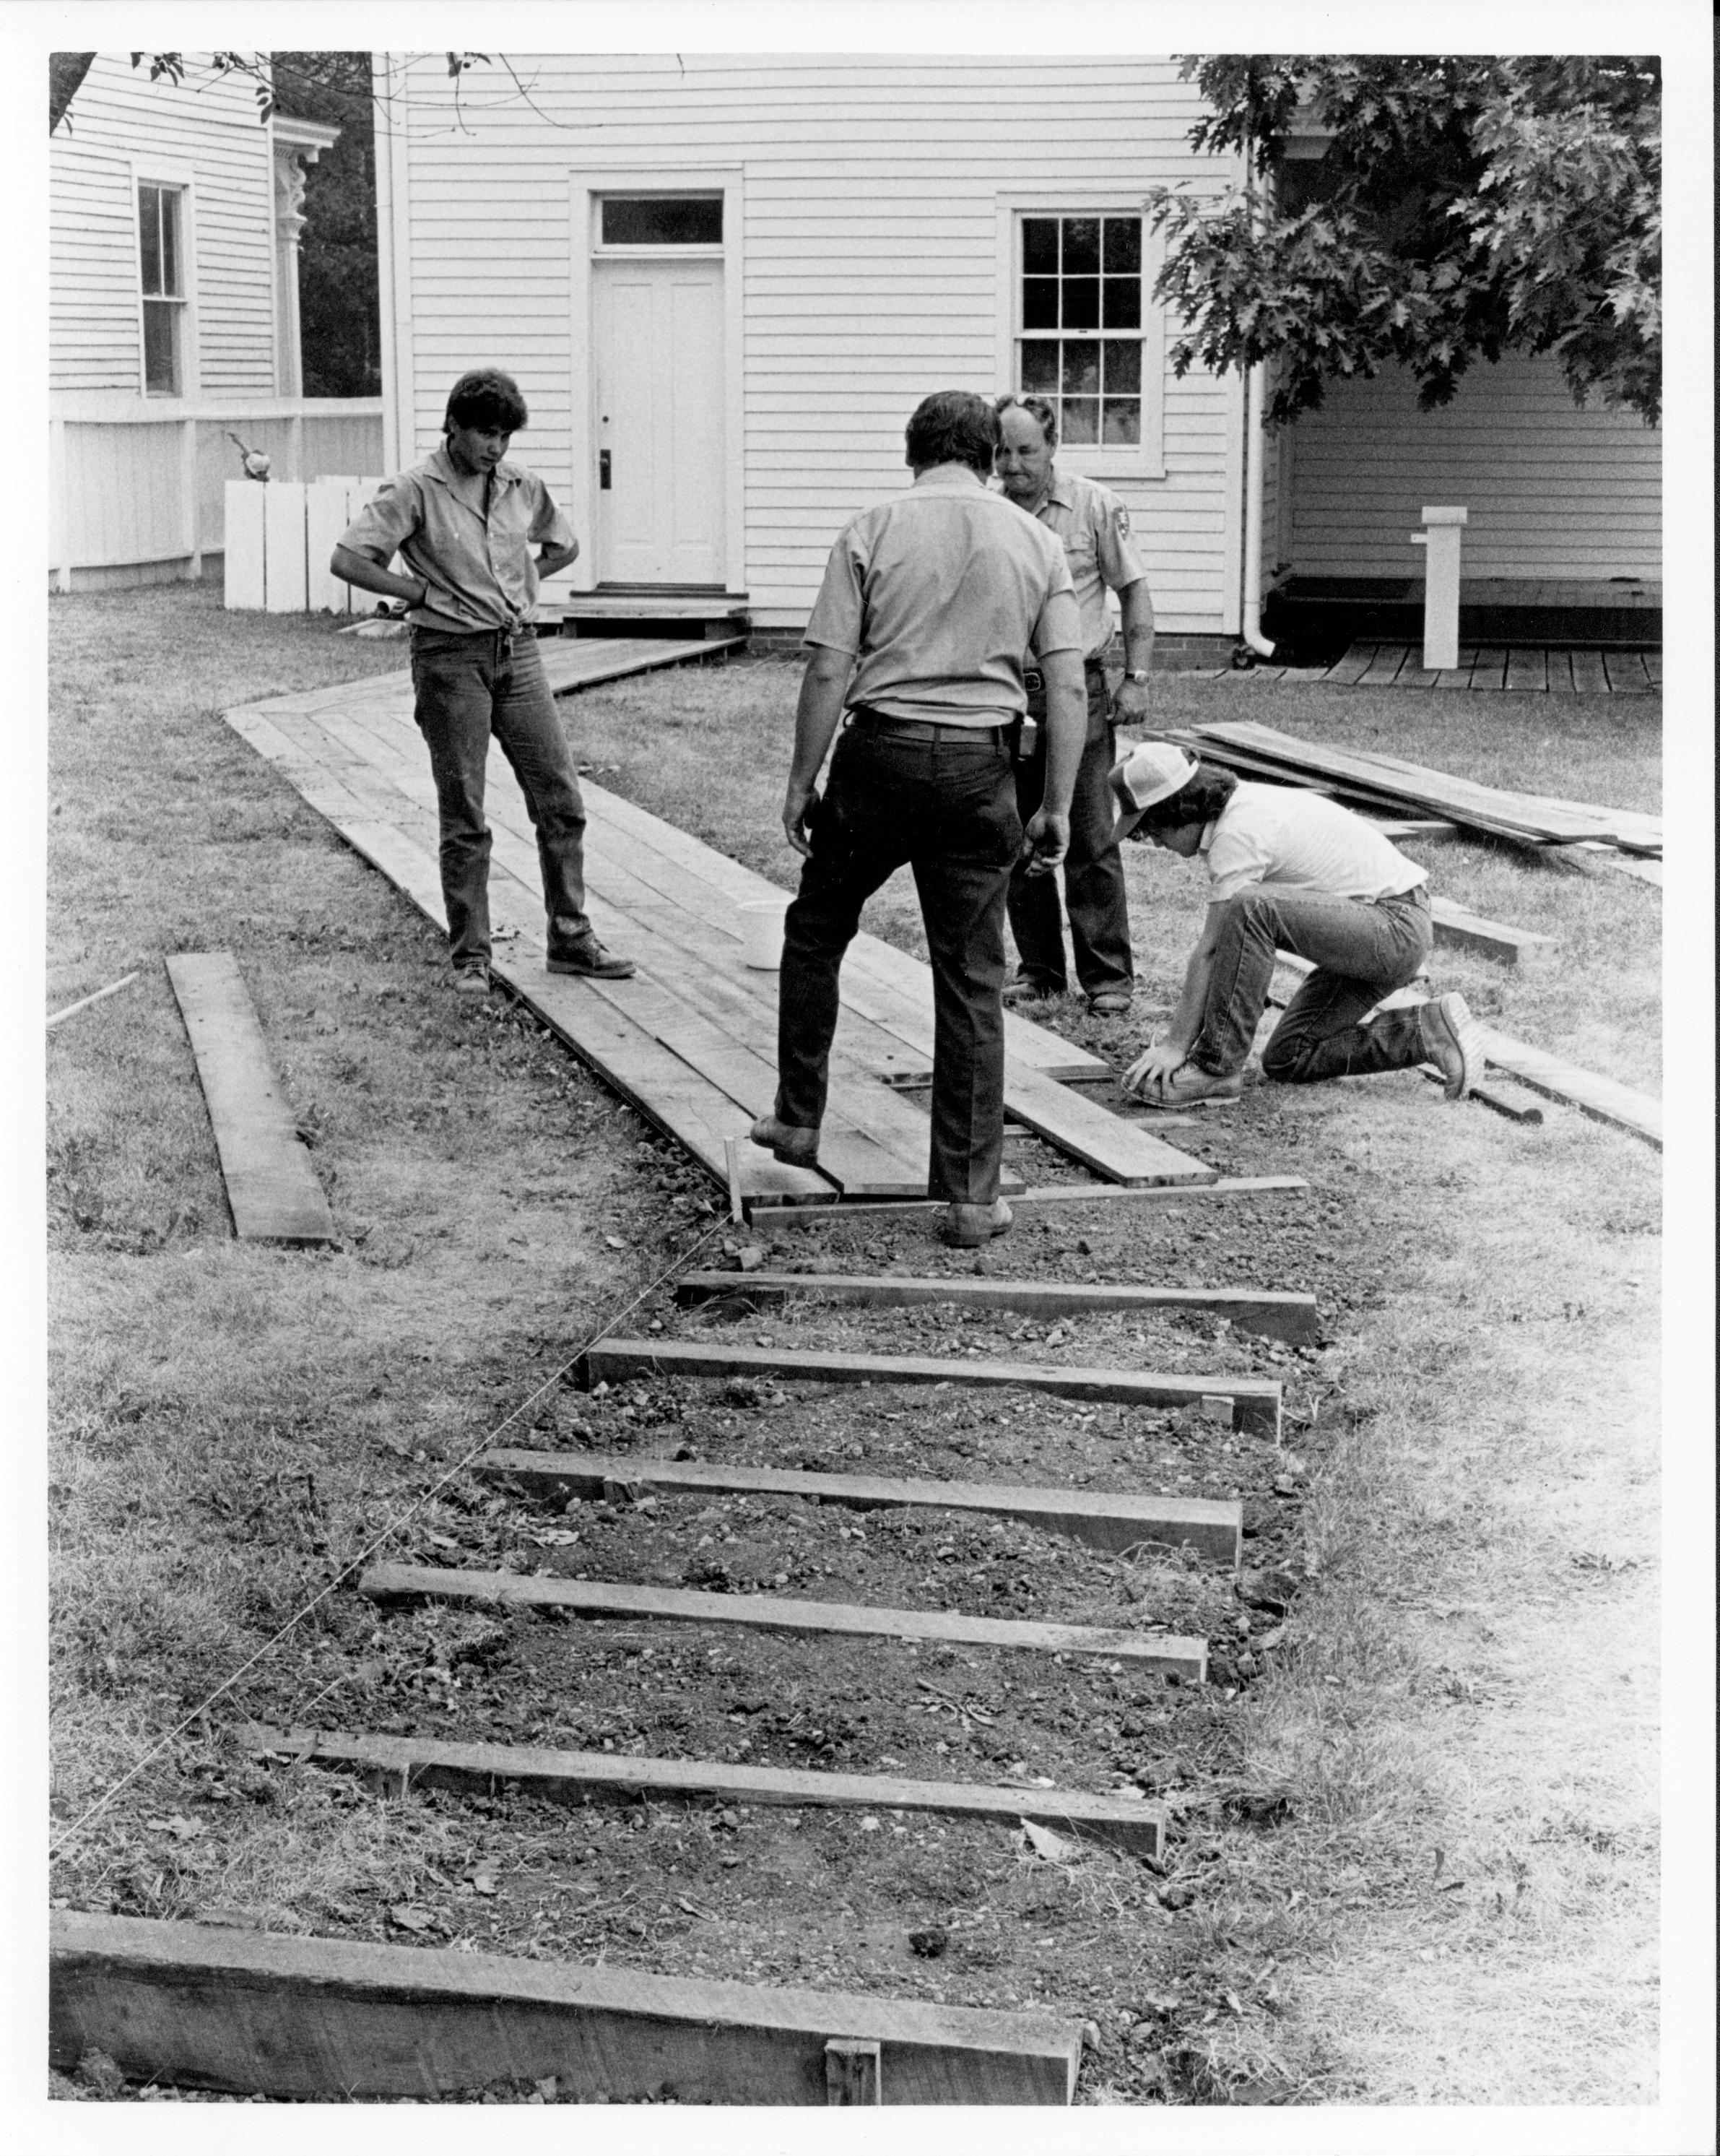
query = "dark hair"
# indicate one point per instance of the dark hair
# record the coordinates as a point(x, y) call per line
point(953, 426)
point(1199, 802)
point(1045, 413)
point(485, 397)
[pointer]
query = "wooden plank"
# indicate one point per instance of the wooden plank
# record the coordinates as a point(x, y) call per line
point(328, 511)
point(685, 1606)
point(1526, 668)
point(1412, 675)
point(1489, 669)
point(1588, 674)
point(1559, 673)
point(1626, 673)
point(853, 2072)
point(271, 1185)
point(1651, 667)
point(1354, 663)
point(1102, 1519)
point(403, 1763)
point(1458, 676)
point(284, 584)
point(1050, 1193)
point(242, 560)
point(1255, 1402)
point(1427, 831)
point(1455, 925)
point(272, 2013)
point(1611, 857)
point(575, 663)
point(1091, 1134)
point(1603, 1099)
point(1276, 1315)
point(1387, 662)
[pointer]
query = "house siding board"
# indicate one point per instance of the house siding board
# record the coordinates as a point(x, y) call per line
point(870, 274)
point(1552, 490)
point(212, 132)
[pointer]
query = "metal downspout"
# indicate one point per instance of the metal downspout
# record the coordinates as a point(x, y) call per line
point(1254, 499)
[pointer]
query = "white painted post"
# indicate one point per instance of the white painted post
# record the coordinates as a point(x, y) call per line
point(326, 516)
point(59, 509)
point(191, 537)
point(1442, 535)
point(244, 542)
point(284, 546)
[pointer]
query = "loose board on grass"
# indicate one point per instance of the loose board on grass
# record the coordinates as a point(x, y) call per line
point(1049, 1194)
point(1276, 1315)
point(402, 1763)
point(271, 1185)
point(1255, 1402)
point(1167, 1653)
point(1603, 1099)
point(264, 2013)
point(1104, 1519)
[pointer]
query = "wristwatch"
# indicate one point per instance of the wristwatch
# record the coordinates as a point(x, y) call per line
point(1137, 674)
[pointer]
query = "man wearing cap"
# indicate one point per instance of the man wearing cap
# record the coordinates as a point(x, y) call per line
point(1093, 526)
point(1289, 870)
point(916, 649)
point(463, 523)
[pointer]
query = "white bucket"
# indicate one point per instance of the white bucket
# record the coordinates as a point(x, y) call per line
point(761, 933)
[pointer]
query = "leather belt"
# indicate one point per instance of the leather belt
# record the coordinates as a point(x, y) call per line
point(866, 721)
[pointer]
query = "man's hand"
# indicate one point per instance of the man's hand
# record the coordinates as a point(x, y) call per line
point(1149, 1070)
point(1130, 708)
point(1048, 838)
point(797, 806)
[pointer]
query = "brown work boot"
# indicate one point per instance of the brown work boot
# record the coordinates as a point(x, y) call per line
point(793, 1142)
point(966, 1227)
point(1452, 1040)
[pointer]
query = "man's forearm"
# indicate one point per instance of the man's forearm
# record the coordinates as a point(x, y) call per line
point(1065, 726)
point(371, 576)
point(1136, 602)
point(816, 715)
point(1185, 1020)
point(552, 560)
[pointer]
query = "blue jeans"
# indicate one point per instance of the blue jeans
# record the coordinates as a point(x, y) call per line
point(468, 688)
point(947, 807)
point(1094, 888)
point(1361, 949)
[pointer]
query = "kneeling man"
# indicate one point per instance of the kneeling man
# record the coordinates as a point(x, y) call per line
point(1290, 871)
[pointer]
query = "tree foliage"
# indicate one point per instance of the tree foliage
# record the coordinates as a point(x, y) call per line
point(339, 330)
point(1461, 208)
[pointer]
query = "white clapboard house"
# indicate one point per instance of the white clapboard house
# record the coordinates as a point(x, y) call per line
point(175, 218)
point(722, 283)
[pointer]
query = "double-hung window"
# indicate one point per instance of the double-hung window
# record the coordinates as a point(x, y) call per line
point(161, 236)
point(1084, 335)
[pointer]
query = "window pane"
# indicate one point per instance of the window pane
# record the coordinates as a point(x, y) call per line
point(160, 347)
point(170, 242)
point(149, 226)
point(1123, 247)
point(663, 220)
point(1123, 420)
point(1039, 246)
point(1081, 246)
point(1123, 303)
point(1039, 368)
point(1080, 371)
point(1123, 366)
point(1081, 420)
point(1081, 303)
point(1039, 303)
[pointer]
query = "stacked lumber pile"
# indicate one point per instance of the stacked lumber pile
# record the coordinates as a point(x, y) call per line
point(1365, 779)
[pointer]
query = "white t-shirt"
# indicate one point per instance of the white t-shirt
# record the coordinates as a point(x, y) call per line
point(1293, 839)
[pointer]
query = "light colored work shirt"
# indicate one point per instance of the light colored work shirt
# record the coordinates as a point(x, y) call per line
point(475, 560)
point(1093, 526)
point(1289, 838)
point(938, 594)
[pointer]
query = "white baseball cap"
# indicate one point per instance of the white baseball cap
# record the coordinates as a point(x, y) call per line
point(1151, 773)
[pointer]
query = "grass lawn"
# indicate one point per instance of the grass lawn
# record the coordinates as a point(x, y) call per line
point(1420, 1833)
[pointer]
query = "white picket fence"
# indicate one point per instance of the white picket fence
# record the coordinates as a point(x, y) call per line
point(279, 536)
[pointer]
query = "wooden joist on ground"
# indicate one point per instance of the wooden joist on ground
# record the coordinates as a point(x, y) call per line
point(1104, 1519)
point(1254, 1403)
point(402, 1763)
point(1044, 1194)
point(1463, 931)
point(1167, 1653)
point(202, 2006)
point(1605, 1099)
point(1279, 1316)
point(271, 1185)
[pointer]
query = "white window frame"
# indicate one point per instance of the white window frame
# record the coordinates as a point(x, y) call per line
point(181, 181)
point(1145, 460)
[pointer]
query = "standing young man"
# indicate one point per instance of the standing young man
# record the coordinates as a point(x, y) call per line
point(1288, 871)
point(1093, 526)
point(463, 523)
point(928, 604)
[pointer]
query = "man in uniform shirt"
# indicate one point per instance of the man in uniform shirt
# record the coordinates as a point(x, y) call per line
point(1093, 526)
point(916, 647)
point(1288, 871)
point(464, 523)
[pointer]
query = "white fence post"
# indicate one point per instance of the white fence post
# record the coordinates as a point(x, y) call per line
point(242, 579)
point(284, 546)
point(1442, 535)
point(59, 508)
point(189, 505)
point(327, 514)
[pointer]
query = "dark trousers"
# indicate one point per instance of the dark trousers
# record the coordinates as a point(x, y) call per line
point(1361, 950)
point(1093, 869)
point(946, 808)
point(468, 688)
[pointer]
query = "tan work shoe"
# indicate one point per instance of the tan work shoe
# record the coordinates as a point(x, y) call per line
point(471, 981)
point(966, 1227)
point(1452, 1040)
point(793, 1142)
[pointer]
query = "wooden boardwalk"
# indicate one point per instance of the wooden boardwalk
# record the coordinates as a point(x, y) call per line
point(1533, 667)
point(691, 1041)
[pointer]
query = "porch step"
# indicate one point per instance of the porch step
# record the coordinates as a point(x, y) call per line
point(650, 610)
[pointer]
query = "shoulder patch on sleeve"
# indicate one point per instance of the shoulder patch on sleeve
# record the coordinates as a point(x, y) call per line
point(1119, 517)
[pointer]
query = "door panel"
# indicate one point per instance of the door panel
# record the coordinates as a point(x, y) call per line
point(657, 360)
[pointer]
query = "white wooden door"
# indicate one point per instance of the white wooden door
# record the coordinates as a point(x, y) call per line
point(658, 346)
